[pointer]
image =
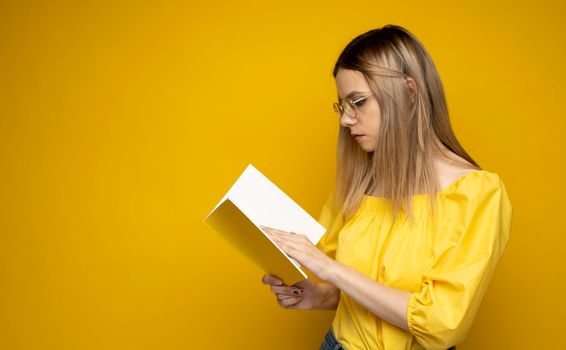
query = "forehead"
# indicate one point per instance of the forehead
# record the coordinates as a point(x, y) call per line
point(348, 80)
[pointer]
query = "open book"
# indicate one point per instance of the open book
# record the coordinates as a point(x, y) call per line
point(253, 201)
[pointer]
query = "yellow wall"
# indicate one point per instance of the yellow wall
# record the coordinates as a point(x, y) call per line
point(123, 123)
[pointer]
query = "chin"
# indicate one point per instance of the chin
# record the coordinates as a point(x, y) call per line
point(367, 148)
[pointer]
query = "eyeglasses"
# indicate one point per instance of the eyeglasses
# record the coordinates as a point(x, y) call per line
point(349, 107)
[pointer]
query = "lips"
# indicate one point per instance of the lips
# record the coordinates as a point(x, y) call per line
point(358, 138)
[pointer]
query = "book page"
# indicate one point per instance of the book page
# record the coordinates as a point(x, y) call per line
point(264, 203)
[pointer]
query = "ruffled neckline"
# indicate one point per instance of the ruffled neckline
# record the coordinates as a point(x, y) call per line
point(451, 187)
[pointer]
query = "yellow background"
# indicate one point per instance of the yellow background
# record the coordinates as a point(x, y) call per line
point(123, 123)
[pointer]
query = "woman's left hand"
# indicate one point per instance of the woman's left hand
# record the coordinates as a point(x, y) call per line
point(300, 248)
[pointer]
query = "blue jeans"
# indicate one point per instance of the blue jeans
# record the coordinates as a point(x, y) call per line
point(330, 342)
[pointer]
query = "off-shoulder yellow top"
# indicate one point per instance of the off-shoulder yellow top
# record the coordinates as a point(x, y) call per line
point(447, 269)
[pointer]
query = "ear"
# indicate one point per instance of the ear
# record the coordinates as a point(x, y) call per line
point(413, 86)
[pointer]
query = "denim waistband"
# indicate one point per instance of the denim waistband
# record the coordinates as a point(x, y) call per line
point(330, 342)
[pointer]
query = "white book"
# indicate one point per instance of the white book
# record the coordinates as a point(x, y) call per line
point(254, 201)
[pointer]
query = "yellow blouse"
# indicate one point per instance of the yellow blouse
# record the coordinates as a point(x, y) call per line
point(446, 269)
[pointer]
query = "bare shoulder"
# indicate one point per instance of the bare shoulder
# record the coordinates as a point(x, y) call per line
point(451, 170)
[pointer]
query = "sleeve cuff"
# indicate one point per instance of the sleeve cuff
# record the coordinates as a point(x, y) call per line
point(410, 313)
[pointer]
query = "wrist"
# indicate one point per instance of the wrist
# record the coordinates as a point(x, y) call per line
point(327, 269)
point(328, 296)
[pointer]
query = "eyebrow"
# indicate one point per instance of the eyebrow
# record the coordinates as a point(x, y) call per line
point(352, 93)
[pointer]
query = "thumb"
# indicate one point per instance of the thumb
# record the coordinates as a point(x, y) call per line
point(271, 280)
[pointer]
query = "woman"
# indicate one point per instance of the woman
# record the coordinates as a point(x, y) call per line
point(415, 226)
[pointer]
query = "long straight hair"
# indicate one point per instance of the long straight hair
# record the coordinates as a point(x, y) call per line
point(411, 125)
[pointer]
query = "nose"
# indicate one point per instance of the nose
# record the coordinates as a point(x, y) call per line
point(347, 121)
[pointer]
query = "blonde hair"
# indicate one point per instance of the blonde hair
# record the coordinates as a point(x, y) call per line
point(409, 132)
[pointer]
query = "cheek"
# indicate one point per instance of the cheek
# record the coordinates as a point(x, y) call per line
point(375, 121)
point(374, 127)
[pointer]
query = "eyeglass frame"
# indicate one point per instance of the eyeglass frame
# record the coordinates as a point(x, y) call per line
point(339, 108)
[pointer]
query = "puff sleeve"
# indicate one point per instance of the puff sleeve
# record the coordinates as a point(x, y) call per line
point(467, 247)
point(333, 222)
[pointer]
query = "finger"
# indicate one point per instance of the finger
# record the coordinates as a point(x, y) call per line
point(282, 297)
point(285, 247)
point(271, 229)
point(287, 244)
point(286, 290)
point(280, 241)
point(274, 230)
point(293, 237)
point(272, 280)
point(280, 233)
point(289, 302)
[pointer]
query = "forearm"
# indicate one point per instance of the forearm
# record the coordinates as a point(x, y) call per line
point(329, 296)
point(389, 304)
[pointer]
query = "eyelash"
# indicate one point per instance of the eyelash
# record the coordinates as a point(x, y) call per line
point(360, 103)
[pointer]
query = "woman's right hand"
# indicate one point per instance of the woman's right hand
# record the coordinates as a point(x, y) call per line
point(303, 295)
